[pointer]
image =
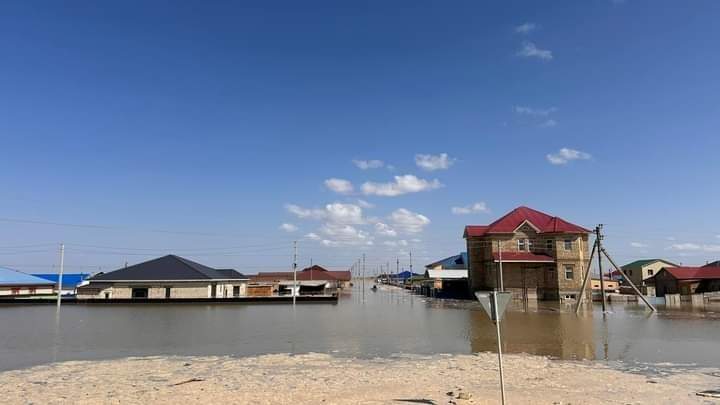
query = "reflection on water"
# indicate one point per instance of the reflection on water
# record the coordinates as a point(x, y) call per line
point(383, 323)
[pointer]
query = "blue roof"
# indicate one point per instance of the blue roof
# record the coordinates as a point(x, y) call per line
point(69, 280)
point(403, 275)
point(14, 277)
point(458, 262)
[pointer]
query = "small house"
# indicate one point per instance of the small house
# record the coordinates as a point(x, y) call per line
point(167, 277)
point(686, 280)
point(313, 280)
point(640, 271)
point(449, 273)
point(15, 283)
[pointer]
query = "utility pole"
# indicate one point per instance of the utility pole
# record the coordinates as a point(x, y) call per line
point(397, 267)
point(363, 276)
point(60, 275)
point(294, 292)
point(411, 271)
point(598, 240)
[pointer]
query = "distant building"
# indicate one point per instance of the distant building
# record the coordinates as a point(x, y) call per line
point(641, 270)
point(167, 277)
point(313, 280)
point(70, 281)
point(610, 285)
point(716, 263)
point(448, 272)
point(685, 280)
point(543, 256)
point(14, 283)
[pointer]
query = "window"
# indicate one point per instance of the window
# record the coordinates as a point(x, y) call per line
point(549, 244)
point(236, 291)
point(629, 273)
point(521, 244)
point(530, 244)
point(167, 292)
point(650, 272)
point(568, 244)
point(569, 273)
point(32, 289)
point(15, 291)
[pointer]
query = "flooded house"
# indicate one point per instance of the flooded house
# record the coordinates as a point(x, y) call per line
point(70, 281)
point(543, 256)
point(16, 284)
point(448, 277)
point(685, 280)
point(167, 277)
point(313, 280)
point(640, 271)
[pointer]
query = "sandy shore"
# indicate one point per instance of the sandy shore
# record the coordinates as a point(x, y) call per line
point(319, 378)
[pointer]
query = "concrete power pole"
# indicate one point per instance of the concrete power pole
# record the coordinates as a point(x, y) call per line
point(60, 275)
point(598, 240)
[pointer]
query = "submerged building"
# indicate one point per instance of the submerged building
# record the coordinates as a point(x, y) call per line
point(167, 277)
point(543, 256)
point(313, 280)
point(15, 283)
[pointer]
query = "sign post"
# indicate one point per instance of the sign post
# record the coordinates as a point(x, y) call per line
point(494, 304)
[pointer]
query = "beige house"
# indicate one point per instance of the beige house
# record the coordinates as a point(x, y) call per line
point(167, 277)
point(640, 271)
point(16, 284)
point(543, 257)
point(610, 285)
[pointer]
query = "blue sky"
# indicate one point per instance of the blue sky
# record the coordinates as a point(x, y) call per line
point(132, 129)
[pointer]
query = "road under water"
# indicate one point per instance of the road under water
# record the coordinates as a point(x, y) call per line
point(388, 322)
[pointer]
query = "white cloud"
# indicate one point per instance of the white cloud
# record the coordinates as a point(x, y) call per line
point(384, 229)
point(538, 112)
point(434, 162)
point(548, 124)
point(566, 155)
point(312, 236)
point(638, 245)
point(408, 221)
point(394, 243)
point(694, 247)
point(288, 227)
point(529, 50)
point(525, 28)
point(471, 209)
point(339, 186)
point(402, 185)
point(336, 213)
point(368, 164)
point(365, 204)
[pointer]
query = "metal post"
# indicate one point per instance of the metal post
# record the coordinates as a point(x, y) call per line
point(586, 278)
point(499, 346)
point(294, 292)
point(502, 285)
point(625, 277)
point(363, 276)
point(411, 272)
point(598, 238)
point(60, 276)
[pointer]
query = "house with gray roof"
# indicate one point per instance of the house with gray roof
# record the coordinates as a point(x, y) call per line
point(15, 283)
point(168, 277)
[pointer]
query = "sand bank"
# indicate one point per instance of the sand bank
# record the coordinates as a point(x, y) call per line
point(319, 378)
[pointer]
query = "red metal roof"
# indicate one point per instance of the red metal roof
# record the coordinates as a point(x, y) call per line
point(523, 257)
point(310, 273)
point(512, 220)
point(694, 273)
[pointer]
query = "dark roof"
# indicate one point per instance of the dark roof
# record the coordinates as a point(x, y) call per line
point(693, 273)
point(457, 262)
point(168, 267)
point(716, 263)
point(543, 222)
point(69, 279)
point(643, 262)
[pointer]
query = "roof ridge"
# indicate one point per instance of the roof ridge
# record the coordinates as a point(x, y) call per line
point(192, 265)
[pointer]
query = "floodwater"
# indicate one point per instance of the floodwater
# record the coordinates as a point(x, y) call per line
point(388, 322)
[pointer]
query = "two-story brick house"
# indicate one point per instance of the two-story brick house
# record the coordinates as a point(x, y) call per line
point(543, 257)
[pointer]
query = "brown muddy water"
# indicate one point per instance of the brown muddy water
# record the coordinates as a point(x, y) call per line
point(389, 322)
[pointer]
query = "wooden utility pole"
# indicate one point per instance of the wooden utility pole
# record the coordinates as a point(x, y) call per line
point(598, 241)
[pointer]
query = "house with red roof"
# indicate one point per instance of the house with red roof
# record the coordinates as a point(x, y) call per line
point(686, 280)
point(311, 280)
point(543, 256)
